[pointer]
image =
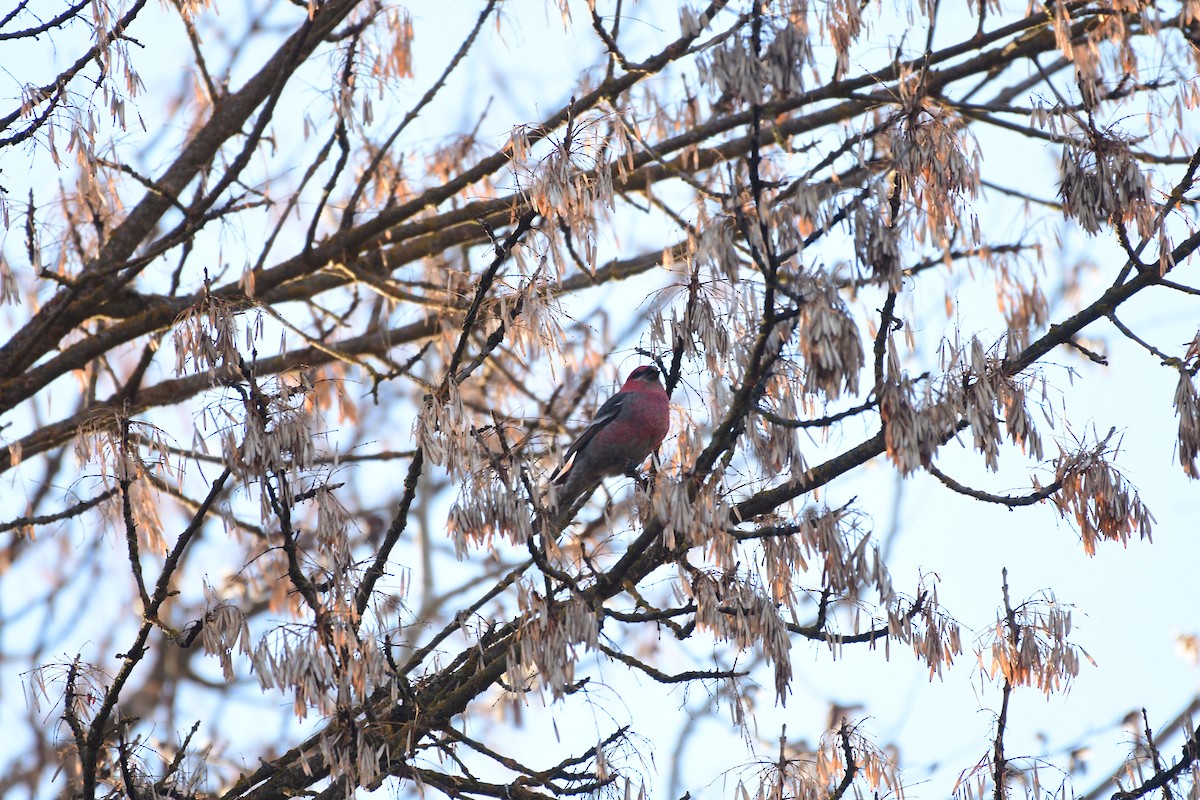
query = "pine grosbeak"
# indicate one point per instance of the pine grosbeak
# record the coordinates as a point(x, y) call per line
point(627, 428)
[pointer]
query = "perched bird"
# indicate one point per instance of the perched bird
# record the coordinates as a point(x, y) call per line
point(627, 428)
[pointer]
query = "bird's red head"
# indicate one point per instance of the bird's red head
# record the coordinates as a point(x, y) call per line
point(642, 378)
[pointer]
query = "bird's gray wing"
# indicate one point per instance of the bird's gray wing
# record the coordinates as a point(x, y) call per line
point(605, 415)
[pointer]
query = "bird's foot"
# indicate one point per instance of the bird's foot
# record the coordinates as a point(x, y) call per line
point(640, 479)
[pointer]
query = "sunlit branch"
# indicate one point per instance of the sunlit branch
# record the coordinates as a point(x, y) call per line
point(662, 677)
point(56, 90)
point(394, 532)
point(851, 768)
point(97, 732)
point(1129, 334)
point(48, 25)
point(999, 761)
point(62, 312)
point(67, 513)
point(1004, 500)
point(816, 422)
